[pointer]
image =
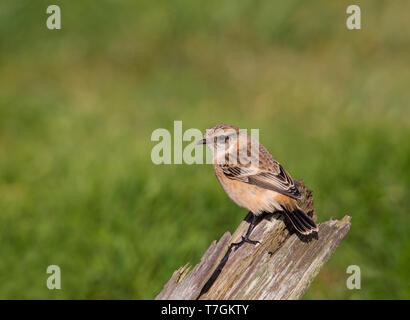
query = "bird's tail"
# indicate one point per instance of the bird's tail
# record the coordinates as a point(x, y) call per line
point(301, 221)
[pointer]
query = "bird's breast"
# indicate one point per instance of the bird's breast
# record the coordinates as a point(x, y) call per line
point(253, 198)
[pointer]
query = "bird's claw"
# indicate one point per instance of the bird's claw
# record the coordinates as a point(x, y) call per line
point(249, 240)
point(245, 239)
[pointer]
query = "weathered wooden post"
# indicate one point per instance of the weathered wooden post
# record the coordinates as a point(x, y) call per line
point(282, 266)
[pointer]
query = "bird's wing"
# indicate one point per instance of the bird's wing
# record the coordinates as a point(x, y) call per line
point(269, 174)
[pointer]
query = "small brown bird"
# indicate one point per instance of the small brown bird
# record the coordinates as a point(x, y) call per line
point(253, 179)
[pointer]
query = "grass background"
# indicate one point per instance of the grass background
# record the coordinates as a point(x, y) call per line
point(78, 106)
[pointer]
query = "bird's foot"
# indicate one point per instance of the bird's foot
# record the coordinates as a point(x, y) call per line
point(245, 239)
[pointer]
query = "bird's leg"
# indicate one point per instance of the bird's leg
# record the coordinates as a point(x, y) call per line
point(252, 226)
point(245, 238)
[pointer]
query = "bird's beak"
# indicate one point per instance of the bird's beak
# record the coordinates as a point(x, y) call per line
point(203, 141)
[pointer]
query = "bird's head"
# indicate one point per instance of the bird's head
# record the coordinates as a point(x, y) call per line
point(220, 135)
point(225, 141)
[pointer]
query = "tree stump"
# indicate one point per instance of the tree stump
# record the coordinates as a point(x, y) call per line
point(281, 266)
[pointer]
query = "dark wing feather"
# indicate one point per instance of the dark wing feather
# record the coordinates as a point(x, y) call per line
point(281, 182)
point(269, 175)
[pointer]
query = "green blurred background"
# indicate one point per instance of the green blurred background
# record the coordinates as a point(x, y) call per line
point(78, 106)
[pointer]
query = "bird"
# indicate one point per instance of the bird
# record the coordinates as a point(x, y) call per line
point(253, 179)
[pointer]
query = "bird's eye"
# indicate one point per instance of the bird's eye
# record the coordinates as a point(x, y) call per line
point(222, 138)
